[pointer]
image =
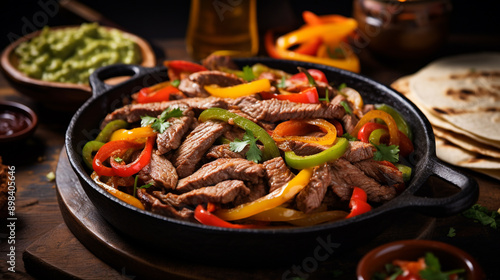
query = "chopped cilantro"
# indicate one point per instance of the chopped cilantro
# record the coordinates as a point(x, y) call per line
point(175, 83)
point(148, 185)
point(349, 137)
point(346, 107)
point(310, 78)
point(482, 215)
point(248, 74)
point(160, 124)
point(451, 232)
point(118, 159)
point(384, 152)
point(432, 270)
point(254, 153)
point(327, 97)
point(282, 83)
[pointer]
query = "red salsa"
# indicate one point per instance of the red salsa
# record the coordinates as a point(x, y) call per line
point(12, 122)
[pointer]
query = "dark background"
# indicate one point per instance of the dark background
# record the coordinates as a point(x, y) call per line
point(156, 19)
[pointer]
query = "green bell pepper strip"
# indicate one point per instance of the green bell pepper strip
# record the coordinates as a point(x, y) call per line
point(270, 149)
point(406, 170)
point(330, 154)
point(376, 135)
point(89, 148)
point(111, 127)
point(403, 126)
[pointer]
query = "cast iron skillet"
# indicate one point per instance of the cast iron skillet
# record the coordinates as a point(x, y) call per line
point(261, 246)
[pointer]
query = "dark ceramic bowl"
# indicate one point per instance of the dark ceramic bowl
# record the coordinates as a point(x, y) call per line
point(10, 109)
point(203, 243)
point(54, 95)
point(450, 258)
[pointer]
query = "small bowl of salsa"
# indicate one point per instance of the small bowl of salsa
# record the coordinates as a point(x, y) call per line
point(17, 121)
point(418, 259)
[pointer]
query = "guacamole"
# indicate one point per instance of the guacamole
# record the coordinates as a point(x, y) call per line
point(70, 55)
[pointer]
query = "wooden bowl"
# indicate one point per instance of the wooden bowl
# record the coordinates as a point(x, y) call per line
point(450, 258)
point(55, 95)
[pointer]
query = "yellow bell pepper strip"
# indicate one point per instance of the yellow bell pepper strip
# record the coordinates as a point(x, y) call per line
point(402, 124)
point(389, 121)
point(285, 131)
point(271, 200)
point(331, 34)
point(278, 214)
point(111, 127)
point(319, 218)
point(270, 149)
point(117, 193)
point(139, 134)
point(89, 148)
point(328, 155)
point(239, 90)
point(311, 18)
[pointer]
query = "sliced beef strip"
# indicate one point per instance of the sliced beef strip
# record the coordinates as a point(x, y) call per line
point(345, 176)
point(193, 86)
point(224, 151)
point(277, 173)
point(171, 138)
point(312, 195)
point(349, 122)
point(196, 144)
point(274, 110)
point(154, 205)
point(219, 62)
point(380, 172)
point(223, 193)
point(133, 112)
point(220, 170)
point(159, 172)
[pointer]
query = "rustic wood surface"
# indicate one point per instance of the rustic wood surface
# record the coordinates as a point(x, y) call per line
point(45, 247)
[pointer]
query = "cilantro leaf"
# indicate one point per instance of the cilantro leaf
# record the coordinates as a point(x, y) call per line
point(349, 137)
point(327, 97)
point(433, 271)
point(160, 124)
point(148, 185)
point(482, 215)
point(248, 74)
point(254, 153)
point(384, 152)
point(282, 83)
point(175, 83)
point(310, 78)
point(346, 107)
point(118, 159)
point(451, 232)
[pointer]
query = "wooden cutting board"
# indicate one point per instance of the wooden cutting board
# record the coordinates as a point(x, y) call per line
point(87, 247)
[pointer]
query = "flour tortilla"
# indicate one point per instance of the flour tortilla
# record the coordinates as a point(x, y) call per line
point(403, 86)
point(467, 143)
point(463, 90)
point(455, 155)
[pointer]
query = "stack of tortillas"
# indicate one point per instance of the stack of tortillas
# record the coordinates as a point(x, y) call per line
point(460, 96)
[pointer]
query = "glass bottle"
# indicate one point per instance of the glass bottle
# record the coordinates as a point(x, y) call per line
point(229, 25)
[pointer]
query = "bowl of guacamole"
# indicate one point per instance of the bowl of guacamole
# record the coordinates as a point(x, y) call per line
point(53, 65)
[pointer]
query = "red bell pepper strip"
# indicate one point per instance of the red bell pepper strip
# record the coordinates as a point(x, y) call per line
point(269, 44)
point(338, 126)
point(309, 95)
point(125, 170)
point(315, 73)
point(205, 217)
point(184, 66)
point(149, 95)
point(107, 150)
point(358, 203)
point(310, 47)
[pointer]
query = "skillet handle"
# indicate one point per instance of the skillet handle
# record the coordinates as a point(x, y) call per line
point(98, 77)
point(451, 205)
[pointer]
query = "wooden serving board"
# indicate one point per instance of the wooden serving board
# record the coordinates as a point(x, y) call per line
point(95, 249)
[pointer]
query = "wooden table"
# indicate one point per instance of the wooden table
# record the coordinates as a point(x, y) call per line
point(51, 250)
